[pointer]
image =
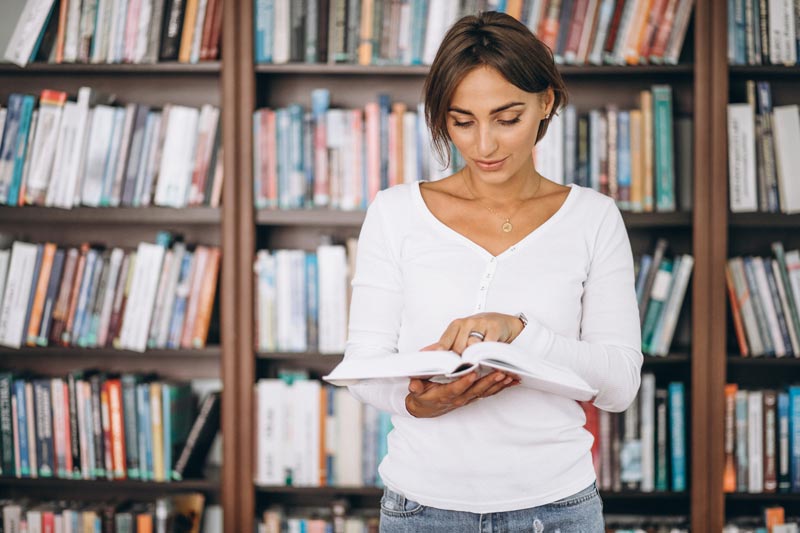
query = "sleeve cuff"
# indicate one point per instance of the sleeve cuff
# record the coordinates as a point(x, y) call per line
point(533, 339)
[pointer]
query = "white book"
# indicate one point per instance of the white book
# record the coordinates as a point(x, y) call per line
point(73, 31)
point(673, 305)
point(782, 44)
point(603, 22)
point(177, 160)
point(139, 307)
point(167, 269)
point(446, 366)
point(5, 258)
point(283, 299)
point(755, 441)
point(647, 413)
point(266, 301)
point(677, 35)
point(120, 155)
point(786, 123)
point(271, 432)
point(97, 150)
point(441, 16)
point(349, 439)
point(298, 302)
point(149, 138)
point(65, 179)
point(26, 33)
point(410, 148)
point(17, 293)
point(116, 32)
point(306, 436)
point(152, 160)
point(101, 31)
point(143, 31)
point(549, 151)
point(765, 295)
point(114, 266)
point(281, 37)
point(353, 178)
point(197, 36)
point(793, 268)
point(332, 309)
point(742, 158)
point(626, 26)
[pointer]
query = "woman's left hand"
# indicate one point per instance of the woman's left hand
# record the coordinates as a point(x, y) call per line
point(494, 327)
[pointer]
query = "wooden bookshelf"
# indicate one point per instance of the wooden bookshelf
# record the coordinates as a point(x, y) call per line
point(153, 216)
point(211, 82)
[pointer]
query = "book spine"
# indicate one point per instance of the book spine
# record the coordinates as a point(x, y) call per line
point(677, 419)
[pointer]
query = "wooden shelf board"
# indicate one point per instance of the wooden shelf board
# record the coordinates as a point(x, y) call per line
point(737, 360)
point(422, 70)
point(771, 71)
point(110, 487)
point(763, 497)
point(331, 217)
point(212, 352)
point(111, 215)
point(170, 67)
point(764, 220)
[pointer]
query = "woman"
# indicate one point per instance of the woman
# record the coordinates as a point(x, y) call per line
point(495, 252)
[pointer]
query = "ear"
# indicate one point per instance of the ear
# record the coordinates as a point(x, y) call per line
point(547, 98)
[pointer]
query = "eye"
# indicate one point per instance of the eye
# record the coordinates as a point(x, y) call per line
point(511, 122)
point(462, 124)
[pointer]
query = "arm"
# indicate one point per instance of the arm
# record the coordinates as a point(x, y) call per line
point(375, 310)
point(608, 355)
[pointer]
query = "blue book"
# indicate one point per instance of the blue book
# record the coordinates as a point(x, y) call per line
point(22, 424)
point(741, 32)
point(312, 300)
point(385, 105)
point(419, 23)
point(663, 148)
point(330, 392)
point(624, 160)
point(44, 427)
point(297, 176)
point(8, 143)
point(320, 103)
point(145, 432)
point(52, 291)
point(83, 296)
point(166, 424)
point(308, 160)
point(111, 158)
point(645, 263)
point(179, 305)
point(794, 437)
point(264, 17)
point(677, 425)
point(21, 149)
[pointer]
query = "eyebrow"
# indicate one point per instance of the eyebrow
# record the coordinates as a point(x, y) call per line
point(492, 112)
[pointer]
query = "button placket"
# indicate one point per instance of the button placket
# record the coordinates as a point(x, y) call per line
point(486, 281)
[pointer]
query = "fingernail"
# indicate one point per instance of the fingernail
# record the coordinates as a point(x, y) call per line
point(507, 381)
point(499, 377)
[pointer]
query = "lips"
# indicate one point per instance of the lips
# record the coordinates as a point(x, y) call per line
point(490, 165)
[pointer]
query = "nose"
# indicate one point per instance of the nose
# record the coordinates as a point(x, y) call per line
point(487, 143)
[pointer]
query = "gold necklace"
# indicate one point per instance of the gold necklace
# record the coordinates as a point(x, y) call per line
point(507, 227)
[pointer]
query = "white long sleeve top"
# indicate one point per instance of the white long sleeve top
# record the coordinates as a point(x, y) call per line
point(573, 278)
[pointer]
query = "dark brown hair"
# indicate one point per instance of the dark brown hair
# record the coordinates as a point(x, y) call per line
point(494, 40)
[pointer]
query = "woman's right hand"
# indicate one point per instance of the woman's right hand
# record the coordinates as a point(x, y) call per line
point(428, 400)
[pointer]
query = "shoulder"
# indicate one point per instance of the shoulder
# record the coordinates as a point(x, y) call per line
point(592, 202)
point(396, 197)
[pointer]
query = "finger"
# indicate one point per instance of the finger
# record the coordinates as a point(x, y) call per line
point(486, 382)
point(459, 386)
point(498, 386)
point(492, 333)
point(449, 336)
point(462, 338)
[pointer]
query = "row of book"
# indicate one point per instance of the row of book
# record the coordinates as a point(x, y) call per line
point(105, 31)
point(172, 514)
point(398, 32)
point(764, 295)
point(763, 142)
point(762, 438)
point(302, 298)
point(644, 448)
point(661, 284)
point(763, 32)
point(316, 435)
point(773, 520)
point(159, 296)
point(93, 425)
point(65, 153)
point(341, 158)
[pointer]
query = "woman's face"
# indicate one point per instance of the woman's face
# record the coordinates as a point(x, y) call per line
point(494, 124)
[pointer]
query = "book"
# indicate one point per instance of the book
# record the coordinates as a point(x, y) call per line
point(446, 366)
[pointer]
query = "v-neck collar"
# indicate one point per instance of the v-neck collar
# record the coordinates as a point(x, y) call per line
point(447, 230)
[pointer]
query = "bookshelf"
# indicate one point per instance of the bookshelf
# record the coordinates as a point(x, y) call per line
point(277, 85)
point(206, 82)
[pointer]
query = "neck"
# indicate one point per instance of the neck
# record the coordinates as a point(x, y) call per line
point(521, 187)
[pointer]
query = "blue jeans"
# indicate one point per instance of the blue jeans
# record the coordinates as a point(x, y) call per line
point(579, 513)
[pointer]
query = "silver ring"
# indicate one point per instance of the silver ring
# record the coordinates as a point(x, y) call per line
point(478, 335)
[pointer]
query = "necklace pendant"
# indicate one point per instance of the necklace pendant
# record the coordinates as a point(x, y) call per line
point(507, 227)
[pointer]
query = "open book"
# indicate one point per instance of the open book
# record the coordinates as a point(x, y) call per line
point(446, 366)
